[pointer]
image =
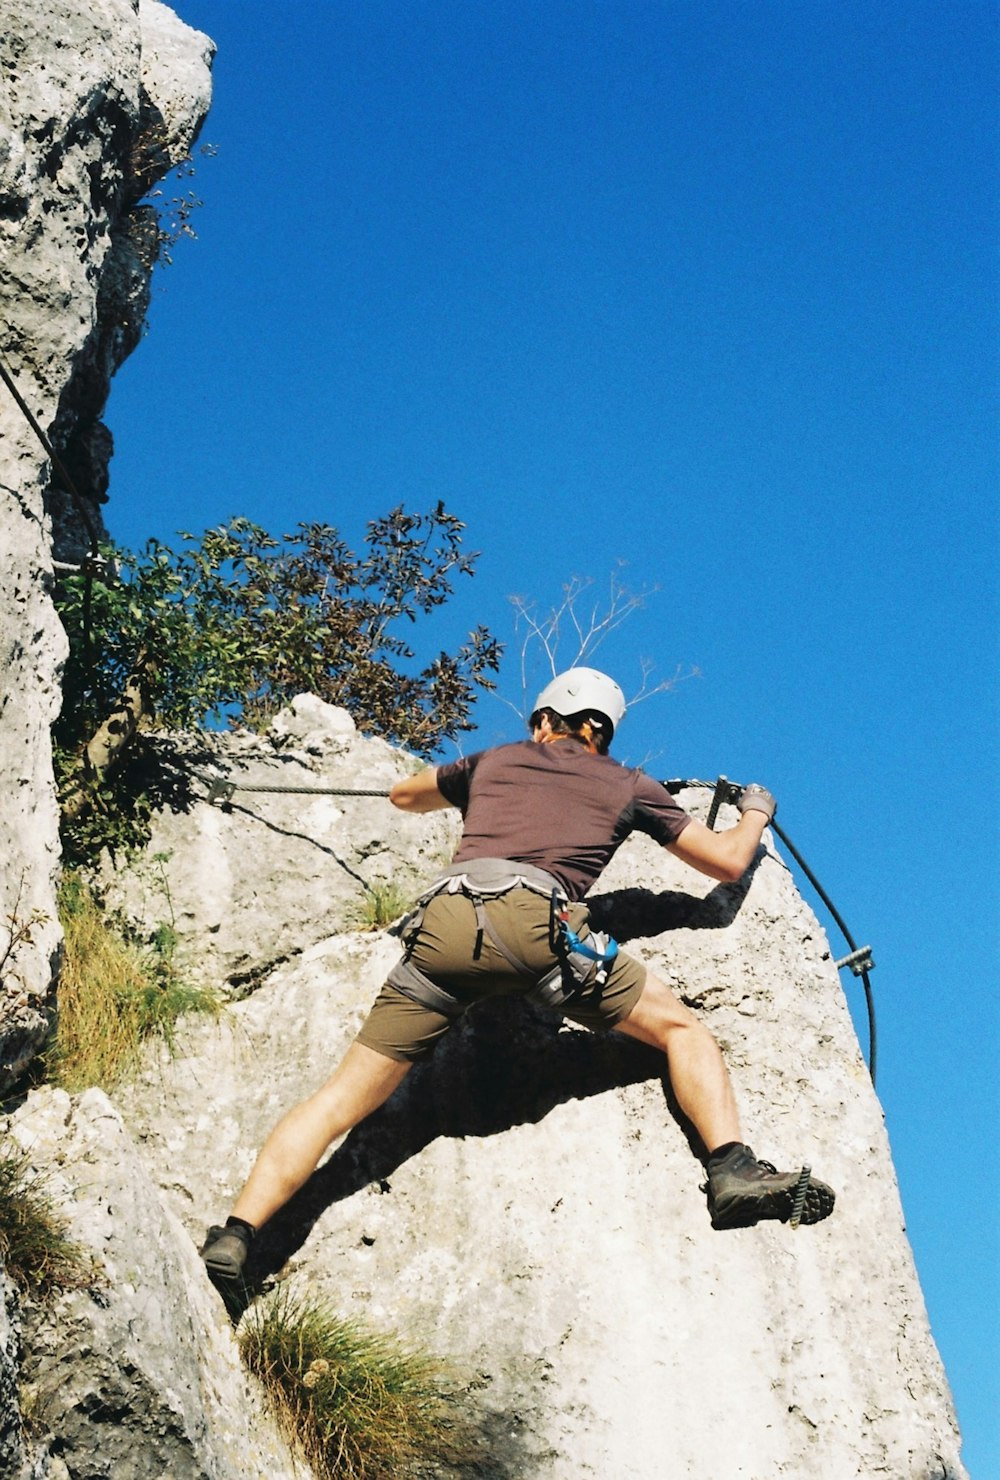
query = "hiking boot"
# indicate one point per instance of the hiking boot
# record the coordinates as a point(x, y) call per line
point(225, 1251)
point(743, 1190)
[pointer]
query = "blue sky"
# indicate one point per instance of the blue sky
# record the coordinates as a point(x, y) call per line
point(709, 290)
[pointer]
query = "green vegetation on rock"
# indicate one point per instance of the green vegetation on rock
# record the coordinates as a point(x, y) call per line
point(114, 993)
point(359, 1406)
point(34, 1247)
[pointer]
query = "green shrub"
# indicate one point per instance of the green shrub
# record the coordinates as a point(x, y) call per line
point(233, 624)
point(113, 994)
point(34, 1247)
point(227, 628)
point(357, 1405)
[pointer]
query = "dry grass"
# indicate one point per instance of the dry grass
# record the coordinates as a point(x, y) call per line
point(113, 995)
point(358, 1406)
point(34, 1247)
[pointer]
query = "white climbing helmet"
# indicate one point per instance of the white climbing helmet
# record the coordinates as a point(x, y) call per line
point(580, 689)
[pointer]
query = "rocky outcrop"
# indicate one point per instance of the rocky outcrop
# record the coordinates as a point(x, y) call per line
point(12, 1455)
point(528, 1203)
point(99, 99)
point(136, 1376)
point(299, 831)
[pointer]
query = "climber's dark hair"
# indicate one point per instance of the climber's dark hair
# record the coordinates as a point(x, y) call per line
point(587, 727)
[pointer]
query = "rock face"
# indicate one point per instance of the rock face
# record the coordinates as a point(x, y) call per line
point(528, 1203)
point(356, 844)
point(136, 1376)
point(12, 1457)
point(99, 99)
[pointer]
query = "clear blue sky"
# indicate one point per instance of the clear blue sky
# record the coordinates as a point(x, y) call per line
point(710, 289)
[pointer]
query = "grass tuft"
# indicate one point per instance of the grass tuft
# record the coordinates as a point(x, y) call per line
point(34, 1247)
point(113, 994)
point(382, 903)
point(357, 1405)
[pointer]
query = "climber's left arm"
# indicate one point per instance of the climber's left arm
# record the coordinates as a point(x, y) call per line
point(419, 793)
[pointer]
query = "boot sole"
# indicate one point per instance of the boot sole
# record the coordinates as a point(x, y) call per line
point(223, 1269)
point(745, 1209)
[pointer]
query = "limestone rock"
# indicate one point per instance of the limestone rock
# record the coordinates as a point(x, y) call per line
point(257, 879)
point(138, 1375)
point(527, 1205)
point(528, 1202)
point(84, 83)
point(12, 1458)
point(176, 79)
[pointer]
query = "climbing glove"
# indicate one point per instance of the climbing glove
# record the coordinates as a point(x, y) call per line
point(754, 798)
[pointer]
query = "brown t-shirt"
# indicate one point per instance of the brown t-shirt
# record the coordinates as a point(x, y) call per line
point(556, 806)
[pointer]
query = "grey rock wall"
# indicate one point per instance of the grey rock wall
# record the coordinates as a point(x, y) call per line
point(137, 1377)
point(98, 98)
point(12, 1456)
point(528, 1204)
point(272, 846)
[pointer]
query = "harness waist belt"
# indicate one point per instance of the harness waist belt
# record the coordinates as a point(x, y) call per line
point(490, 877)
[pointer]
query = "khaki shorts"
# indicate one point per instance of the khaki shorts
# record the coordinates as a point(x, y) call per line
point(449, 951)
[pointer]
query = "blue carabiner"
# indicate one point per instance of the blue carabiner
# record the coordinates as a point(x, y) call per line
point(576, 944)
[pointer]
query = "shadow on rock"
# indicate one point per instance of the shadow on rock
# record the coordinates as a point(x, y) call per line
point(631, 914)
point(506, 1063)
point(300, 837)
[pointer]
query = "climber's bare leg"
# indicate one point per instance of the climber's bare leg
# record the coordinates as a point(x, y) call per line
point(698, 1072)
point(363, 1081)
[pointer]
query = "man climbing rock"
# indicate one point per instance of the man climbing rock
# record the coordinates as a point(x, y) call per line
point(542, 819)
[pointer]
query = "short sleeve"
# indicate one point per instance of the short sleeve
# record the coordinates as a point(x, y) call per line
point(656, 813)
point(454, 780)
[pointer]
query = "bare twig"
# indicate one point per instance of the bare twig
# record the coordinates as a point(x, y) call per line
point(587, 622)
point(19, 930)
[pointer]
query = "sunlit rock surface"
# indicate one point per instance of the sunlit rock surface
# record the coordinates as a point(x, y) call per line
point(529, 1203)
point(98, 100)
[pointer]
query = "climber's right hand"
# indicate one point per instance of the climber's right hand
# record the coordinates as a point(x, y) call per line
point(755, 798)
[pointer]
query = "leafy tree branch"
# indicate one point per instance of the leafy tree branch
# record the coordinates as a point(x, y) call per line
point(231, 625)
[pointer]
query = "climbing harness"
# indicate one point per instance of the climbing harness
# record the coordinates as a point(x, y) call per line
point(573, 946)
point(860, 958)
point(481, 880)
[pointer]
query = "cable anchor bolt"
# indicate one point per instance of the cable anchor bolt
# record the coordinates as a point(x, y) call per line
point(725, 791)
point(859, 961)
point(219, 790)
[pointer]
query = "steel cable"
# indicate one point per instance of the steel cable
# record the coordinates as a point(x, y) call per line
point(729, 791)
